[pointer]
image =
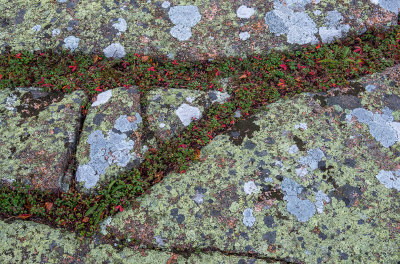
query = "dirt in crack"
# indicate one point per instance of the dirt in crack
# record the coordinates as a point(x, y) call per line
point(68, 180)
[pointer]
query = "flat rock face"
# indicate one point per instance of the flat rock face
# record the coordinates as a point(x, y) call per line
point(38, 133)
point(310, 180)
point(30, 242)
point(111, 137)
point(200, 30)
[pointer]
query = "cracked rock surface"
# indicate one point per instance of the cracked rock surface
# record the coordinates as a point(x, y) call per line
point(306, 181)
point(313, 179)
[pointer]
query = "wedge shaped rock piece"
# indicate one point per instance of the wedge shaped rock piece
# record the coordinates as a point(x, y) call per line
point(110, 141)
point(171, 110)
point(38, 132)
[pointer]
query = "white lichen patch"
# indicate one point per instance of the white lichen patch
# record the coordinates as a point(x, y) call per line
point(160, 240)
point(301, 172)
point(250, 187)
point(312, 159)
point(381, 126)
point(302, 209)
point(105, 151)
point(55, 32)
point(248, 218)
point(115, 50)
point(166, 4)
point(184, 18)
point(104, 225)
point(103, 98)
point(370, 88)
point(121, 25)
point(245, 12)
point(190, 99)
point(396, 127)
point(391, 179)
point(199, 198)
point(36, 28)
point(10, 101)
point(185, 113)
point(268, 179)
point(244, 35)
point(301, 125)
point(298, 26)
point(71, 42)
point(320, 196)
point(293, 149)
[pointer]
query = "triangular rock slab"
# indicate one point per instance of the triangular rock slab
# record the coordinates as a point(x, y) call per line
point(170, 110)
point(38, 132)
point(110, 141)
point(304, 185)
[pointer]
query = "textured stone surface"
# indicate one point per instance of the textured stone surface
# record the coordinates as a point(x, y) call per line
point(196, 30)
point(38, 133)
point(305, 181)
point(111, 138)
point(306, 184)
point(314, 179)
point(29, 242)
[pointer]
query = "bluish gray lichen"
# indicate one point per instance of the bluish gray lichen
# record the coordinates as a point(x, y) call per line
point(55, 32)
point(36, 28)
point(268, 179)
point(302, 29)
point(334, 30)
point(121, 25)
point(71, 42)
point(369, 88)
point(250, 187)
point(244, 35)
point(160, 240)
point(302, 209)
point(107, 151)
point(293, 149)
point(102, 98)
point(297, 4)
point(199, 198)
point(312, 159)
point(104, 224)
point(391, 179)
point(277, 20)
point(244, 11)
point(124, 125)
point(380, 126)
point(320, 196)
point(184, 17)
point(166, 4)
point(301, 125)
point(298, 26)
point(185, 113)
point(248, 218)
point(333, 18)
point(301, 172)
point(115, 50)
point(392, 6)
